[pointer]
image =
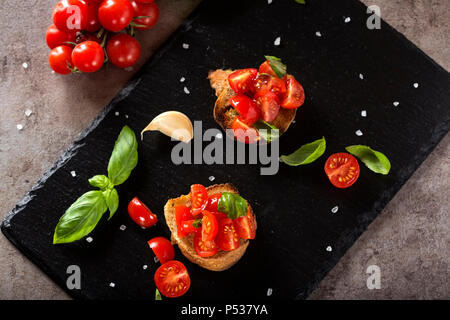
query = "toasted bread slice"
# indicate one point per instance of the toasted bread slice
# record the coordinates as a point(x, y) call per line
point(224, 113)
point(221, 260)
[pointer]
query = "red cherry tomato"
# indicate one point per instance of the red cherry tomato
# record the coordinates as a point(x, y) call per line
point(219, 215)
point(266, 68)
point(227, 238)
point(246, 226)
point(295, 95)
point(145, 1)
point(92, 21)
point(70, 15)
point(148, 10)
point(246, 107)
point(88, 56)
point(172, 279)
point(187, 226)
point(243, 132)
point(209, 226)
point(204, 248)
point(342, 169)
point(162, 248)
point(199, 198)
point(213, 202)
point(55, 37)
point(88, 37)
point(115, 15)
point(123, 50)
point(60, 59)
point(264, 83)
point(140, 214)
point(182, 213)
point(269, 105)
point(241, 81)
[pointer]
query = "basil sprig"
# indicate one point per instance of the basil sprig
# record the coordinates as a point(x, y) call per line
point(277, 66)
point(84, 214)
point(158, 295)
point(266, 130)
point(306, 154)
point(233, 205)
point(374, 160)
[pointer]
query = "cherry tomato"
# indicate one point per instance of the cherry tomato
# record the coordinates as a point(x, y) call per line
point(172, 279)
point(227, 238)
point(269, 105)
point(87, 37)
point(148, 10)
point(145, 1)
point(246, 226)
point(199, 198)
point(209, 226)
point(342, 169)
point(246, 107)
point(243, 132)
point(295, 95)
point(265, 67)
point(70, 15)
point(55, 37)
point(115, 15)
point(213, 202)
point(204, 248)
point(60, 59)
point(88, 56)
point(140, 214)
point(182, 213)
point(187, 226)
point(92, 21)
point(123, 50)
point(241, 81)
point(219, 215)
point(162, 248)
point(264, 83)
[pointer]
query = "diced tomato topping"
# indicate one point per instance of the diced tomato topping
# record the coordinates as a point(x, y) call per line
point(243, 132)
point(246, 107)
point(246, 226)
point(269, 105)
point(227, 238)
point(199, 198)
point(213, 202)
point(182, 213)
point(264, 83)
point(241, 80)
point(187, 226)
point(204, 248)
point(266, 68)
point(209, 226)
point(219, 215)
point(295, 95)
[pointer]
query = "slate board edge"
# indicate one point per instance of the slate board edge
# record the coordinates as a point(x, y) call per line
point(123, 93)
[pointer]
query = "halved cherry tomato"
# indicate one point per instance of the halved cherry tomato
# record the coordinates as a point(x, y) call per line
point(140, 214)
point(199, 198)
point(264, 83)
point(204, 248)
point(187, 226)
point(342, 169)
point(213, 202)
point(227, 237)
point(266, 68)
point(246, 226)
point(241, 80)
point(269, 105)
point(182, 213)
point(219, 215)
point(246, 107)
point(162, 248)
point(172, 279)
point(295, 95)
point(209, 226)
point(243, 132)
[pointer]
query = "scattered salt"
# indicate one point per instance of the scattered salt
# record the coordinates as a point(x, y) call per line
point(28, 112)
point(359, 133)
point(269, 292)
point(347, 20)
point(116, 113)
point(25, 65)
point(277, 41)
point(396, 103)
point(416, 85)
point(145, 267)
point(73, 173)
point(185, 46)
point(186, 90)
point(269, 1)
point(19, 127)
point(318, 34)
point(89, 239)
point(335, 209)
point(212, 178)
point(363, 113)
point(361, 76)
point(182, 79)
point(293, 121)
point(123, 227)
point(329, 249)
point(127, 116)
point(112, 284)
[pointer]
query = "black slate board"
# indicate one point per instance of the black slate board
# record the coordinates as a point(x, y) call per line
point(295, 224)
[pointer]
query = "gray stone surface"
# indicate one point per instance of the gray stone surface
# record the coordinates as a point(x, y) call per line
point(409, 241)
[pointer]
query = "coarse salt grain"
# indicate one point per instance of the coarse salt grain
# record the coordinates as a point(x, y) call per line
point(89, 239)
point(145, 267)
point(19, 126)
point(73, 173)
point(363, 113)
point(293, 121)
point(318, 34)
point(112, 284)
point(335, 209)
point(212, 178)
point(123, 227)
point(359, 133)
point(116, 113)
point(25, 65)
point(361, 76)
point(269, 1)
point(416, 85)
point(329, 249)
point(277, 41)
point(269, 292)
point(186, 90)
point(396, 104)
point(127, 116)
point(185, 46)
point(347, 20)
point(28, 112)
point(182, 79)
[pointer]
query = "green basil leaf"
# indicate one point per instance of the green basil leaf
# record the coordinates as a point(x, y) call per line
point(374, 160)
point(124, 157)
point(81, 217)
point(112, 201)
point(158, 295)
point(233, 205)
point(300, 1)
point(266, 130)
point(306, 154)
point(278, 67)
point(101, 181)
point(197, 223)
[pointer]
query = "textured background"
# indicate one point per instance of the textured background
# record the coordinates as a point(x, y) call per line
point(409, 241)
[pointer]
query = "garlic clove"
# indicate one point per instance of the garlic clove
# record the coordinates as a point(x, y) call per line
point(173, 124)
